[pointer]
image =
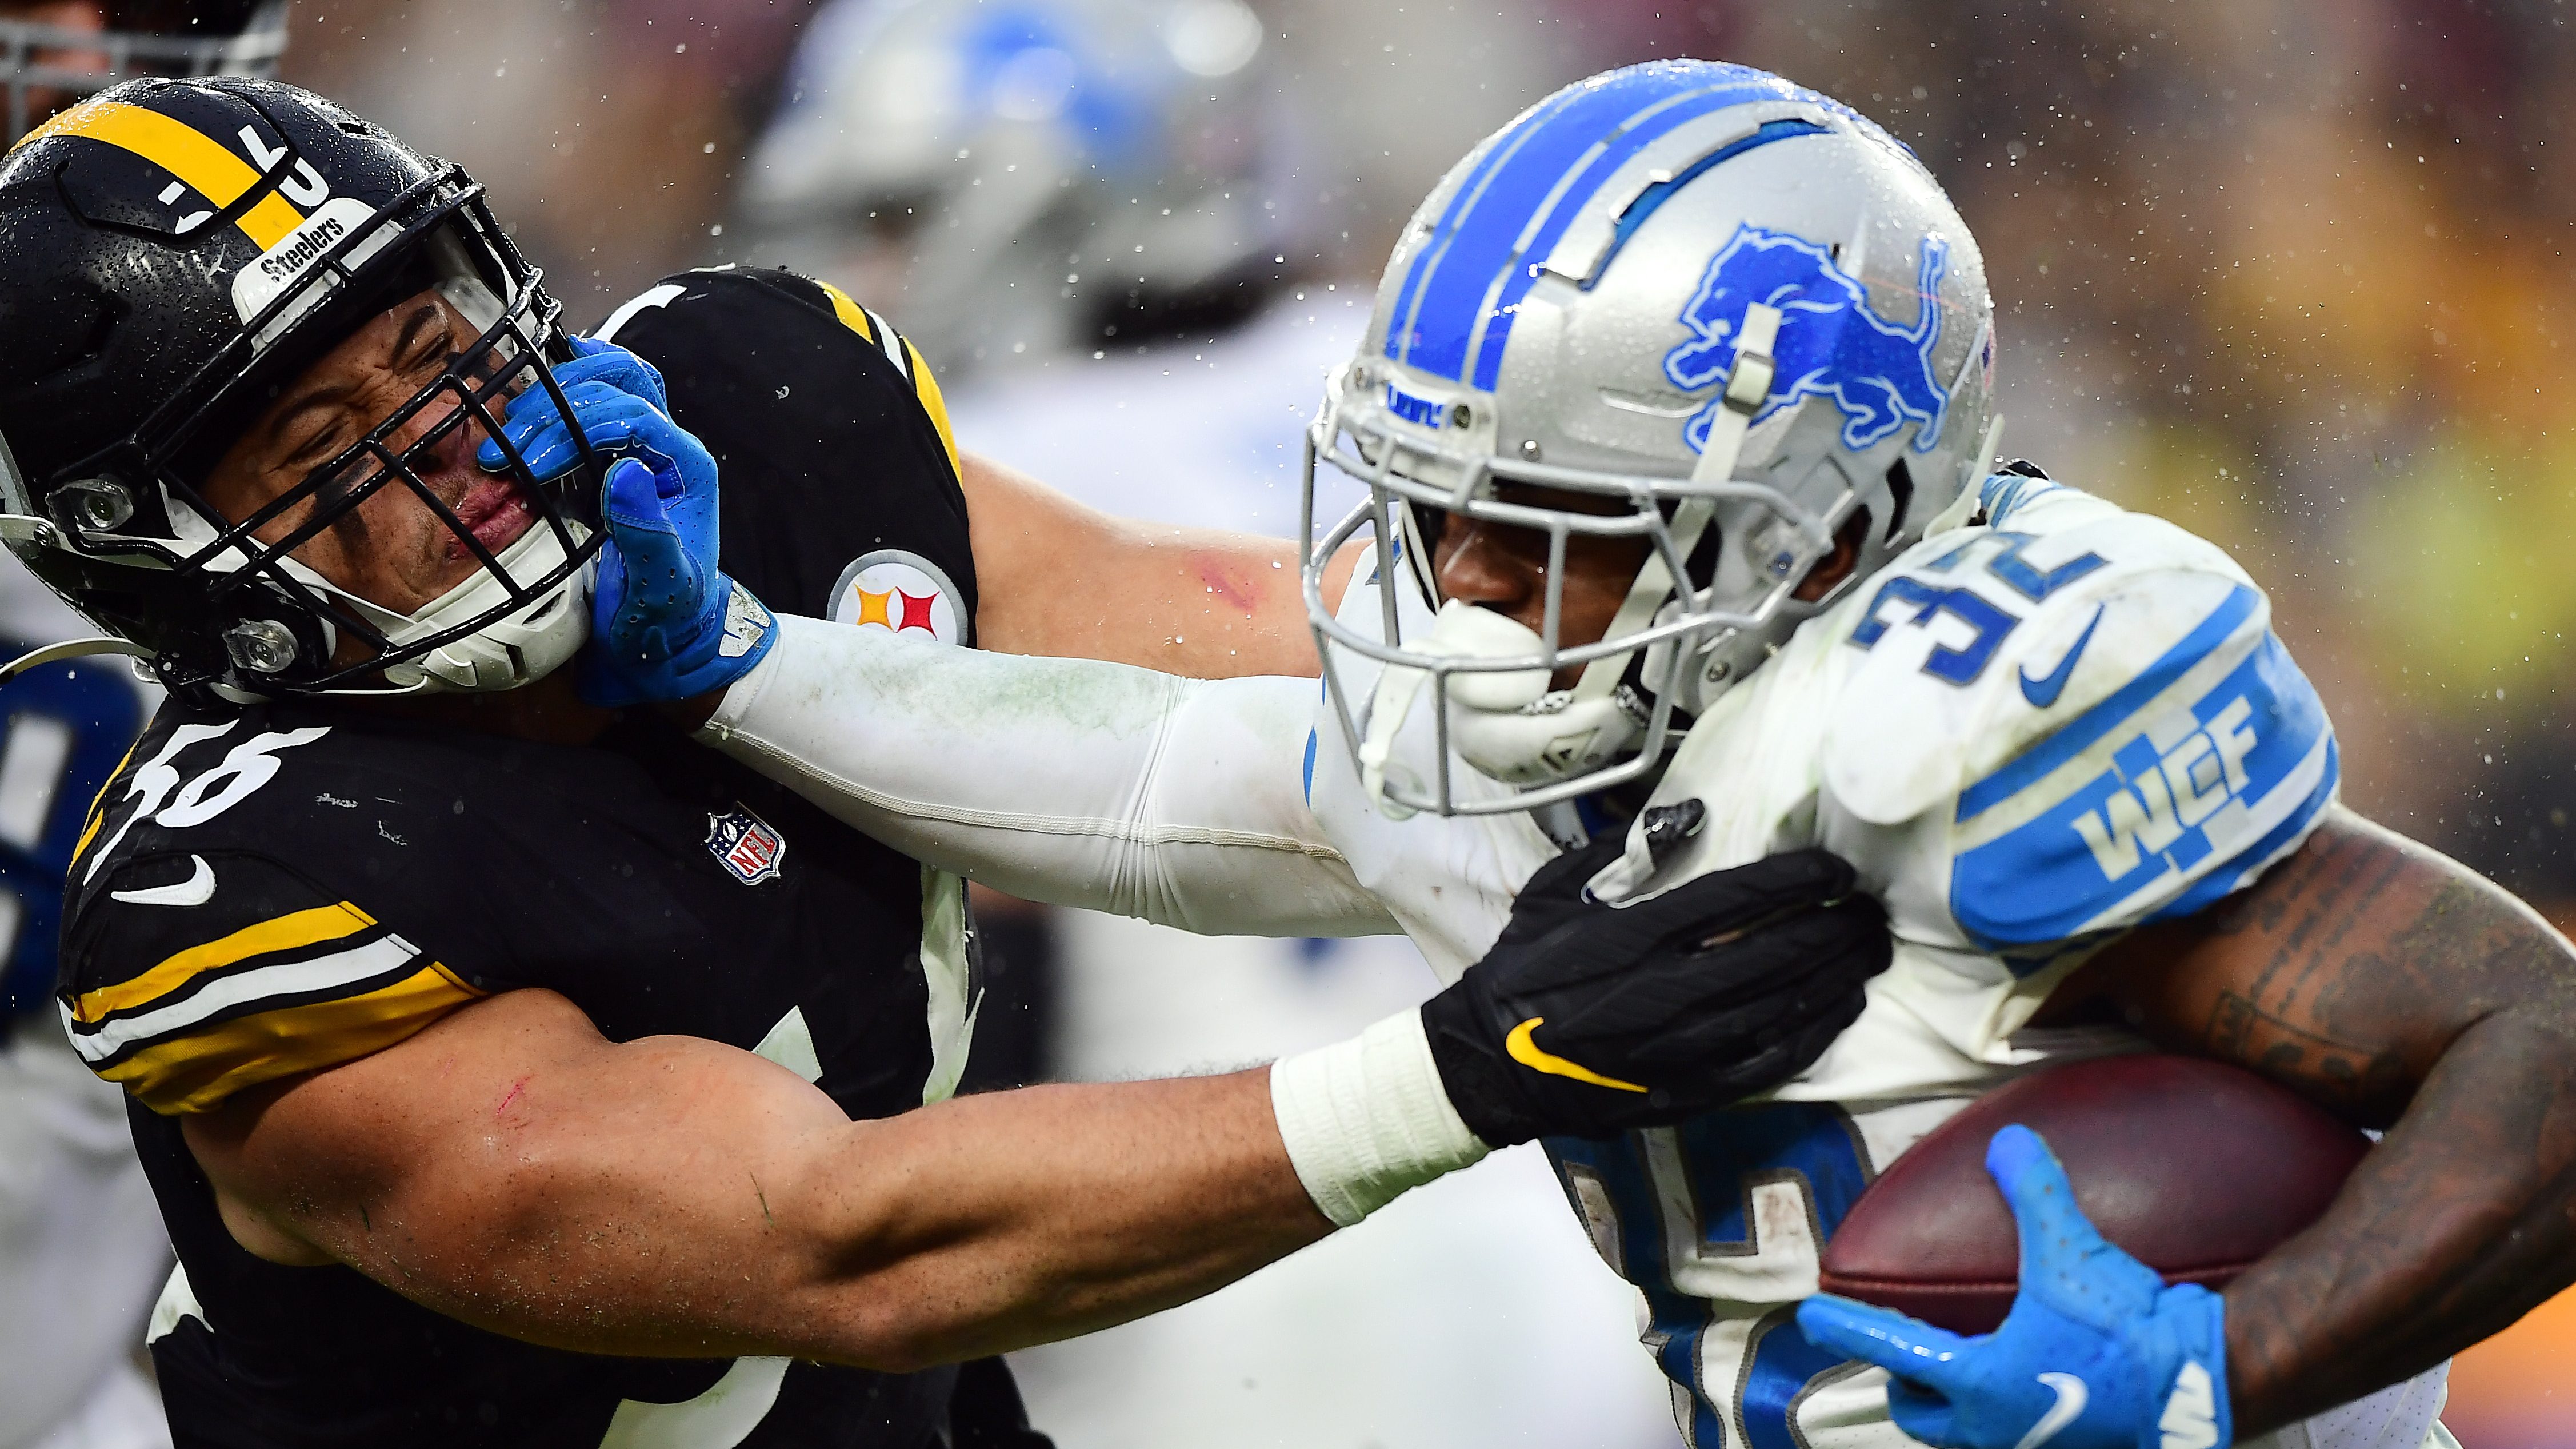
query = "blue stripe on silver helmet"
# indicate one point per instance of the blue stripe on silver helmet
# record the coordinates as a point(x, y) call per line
point(1533, 182)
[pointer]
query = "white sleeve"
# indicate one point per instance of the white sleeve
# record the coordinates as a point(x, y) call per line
point(1062, 780)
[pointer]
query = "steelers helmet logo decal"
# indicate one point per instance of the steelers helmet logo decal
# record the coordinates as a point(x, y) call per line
point(900, 592)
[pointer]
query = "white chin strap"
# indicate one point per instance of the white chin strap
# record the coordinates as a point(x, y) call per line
point(1507, 723)
point(520, 648)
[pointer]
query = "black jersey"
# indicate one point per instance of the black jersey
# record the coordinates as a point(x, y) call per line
point(273, 890)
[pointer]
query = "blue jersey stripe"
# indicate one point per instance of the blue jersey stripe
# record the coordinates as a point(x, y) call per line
point(2177, 819)
point(1679, 1321)
point(2218, 883)
point(1444, 299)
point(1781, 1365)
point(1813, 1144)
point(2080, 733)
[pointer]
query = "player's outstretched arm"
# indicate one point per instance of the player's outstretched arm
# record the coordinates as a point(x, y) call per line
point(1069, 781)
point(1057, 577)
point(2407, 993)
point(512, 1168)
point(676, 1197)
point(1072, 781)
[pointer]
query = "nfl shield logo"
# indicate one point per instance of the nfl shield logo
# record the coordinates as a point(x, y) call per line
point(746, 845)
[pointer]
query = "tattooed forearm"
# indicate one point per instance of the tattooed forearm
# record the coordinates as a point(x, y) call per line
point(2401, 992)
point(2345, 1075)
point(2454, 1226)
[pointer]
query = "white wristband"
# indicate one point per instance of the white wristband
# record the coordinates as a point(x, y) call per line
point(1367, 1119)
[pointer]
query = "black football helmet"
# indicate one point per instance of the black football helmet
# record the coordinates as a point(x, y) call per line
point(50, 65)
point(171, 254)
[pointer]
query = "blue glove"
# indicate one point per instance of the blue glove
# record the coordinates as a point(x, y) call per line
point(666, 623)
point(619, 400)
point(2097, 1352)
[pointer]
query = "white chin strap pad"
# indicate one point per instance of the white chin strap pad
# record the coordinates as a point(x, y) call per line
point(518, 649)
point(1506, 723)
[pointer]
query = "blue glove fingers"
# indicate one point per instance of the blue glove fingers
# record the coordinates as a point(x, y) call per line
point(609, 363)
point(633, 501)
point(1908, 1348)
point(662, 585)
point(521, 420)
point(1926, 1416)
point(534, 412)
point(520, 416)
point(609, 420)
point(2065, 1260)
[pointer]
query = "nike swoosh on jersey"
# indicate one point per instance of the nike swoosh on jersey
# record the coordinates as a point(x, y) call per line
point(2044, 692)
point(1531, 1055)
point(196, 890)
point(2071, 1399)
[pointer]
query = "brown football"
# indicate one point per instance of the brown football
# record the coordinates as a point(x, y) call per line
point(2193, 1167)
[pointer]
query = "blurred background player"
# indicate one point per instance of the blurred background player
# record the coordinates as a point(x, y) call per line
point(1083, 211)
point(57, 51)
point(82, 1251)
point(1030, 175)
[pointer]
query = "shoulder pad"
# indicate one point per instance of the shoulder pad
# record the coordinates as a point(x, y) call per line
point(190, 975)
point(1982, 641)
point(350, 808)
point(2097, 702)
point(750, 290)
point(832, 434)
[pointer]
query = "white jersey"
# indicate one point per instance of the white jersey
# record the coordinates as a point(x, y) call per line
point(2023, 736)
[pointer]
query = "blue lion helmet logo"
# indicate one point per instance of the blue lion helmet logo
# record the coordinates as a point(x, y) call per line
point(1830, 345)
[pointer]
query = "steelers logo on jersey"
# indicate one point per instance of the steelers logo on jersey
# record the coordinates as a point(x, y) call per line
point(901, 592)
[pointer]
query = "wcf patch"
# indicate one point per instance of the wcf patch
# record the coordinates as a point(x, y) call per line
point(746, 845)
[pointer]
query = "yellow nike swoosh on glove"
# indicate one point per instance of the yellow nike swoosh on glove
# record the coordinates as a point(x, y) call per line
point(1531, 1055)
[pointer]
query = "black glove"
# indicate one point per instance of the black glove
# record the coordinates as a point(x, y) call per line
point(1585, 1020)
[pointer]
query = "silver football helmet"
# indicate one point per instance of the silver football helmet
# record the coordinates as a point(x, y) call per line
point(1733, 306)
point(1007, 175)
point(53, 61)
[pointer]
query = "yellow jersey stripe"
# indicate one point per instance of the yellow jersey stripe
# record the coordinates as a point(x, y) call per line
point(852, 315)
point(900, 351)
point(97, 803)
point(933, 402)
point(185, 152)
point(284, 933)
point(197, 1073)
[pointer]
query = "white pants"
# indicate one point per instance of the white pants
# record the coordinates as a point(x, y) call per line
point(82, 1252)
point(2401, 1416)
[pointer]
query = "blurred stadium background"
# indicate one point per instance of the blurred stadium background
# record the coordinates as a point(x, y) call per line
point(2294, 273)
